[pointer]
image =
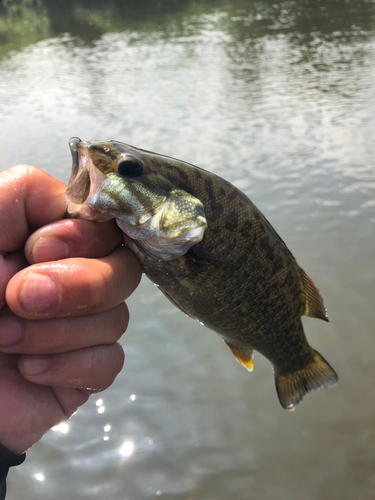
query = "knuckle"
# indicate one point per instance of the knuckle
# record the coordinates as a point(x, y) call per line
point(120, 320)
point(104, 365)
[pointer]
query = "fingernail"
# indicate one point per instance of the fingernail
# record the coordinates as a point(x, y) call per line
point(36, 365)
point(48, 248)
point(10, 331)
point(38, 293)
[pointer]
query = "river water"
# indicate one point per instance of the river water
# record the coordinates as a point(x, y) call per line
point(278, 98)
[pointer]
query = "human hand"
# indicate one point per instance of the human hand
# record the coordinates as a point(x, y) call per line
point(60, 317)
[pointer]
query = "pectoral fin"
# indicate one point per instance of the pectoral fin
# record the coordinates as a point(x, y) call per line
point(174, 302)
point(243, 356)
point(312, 302)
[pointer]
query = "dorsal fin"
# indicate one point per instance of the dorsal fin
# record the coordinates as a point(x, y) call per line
point(312, 302)
point(243, 356)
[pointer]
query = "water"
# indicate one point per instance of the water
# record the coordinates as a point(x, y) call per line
point(279, 98)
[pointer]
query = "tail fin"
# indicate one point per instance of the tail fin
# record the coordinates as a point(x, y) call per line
point(291, 387)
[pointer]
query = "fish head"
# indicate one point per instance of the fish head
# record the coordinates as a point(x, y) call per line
point(110, 179)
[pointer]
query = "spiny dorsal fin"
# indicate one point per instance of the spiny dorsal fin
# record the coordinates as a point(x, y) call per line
point(312, 302)
point(243, 356)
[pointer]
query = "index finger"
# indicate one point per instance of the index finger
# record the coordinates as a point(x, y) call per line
point(29, 198)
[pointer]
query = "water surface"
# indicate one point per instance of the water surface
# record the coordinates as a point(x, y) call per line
point(279, 98)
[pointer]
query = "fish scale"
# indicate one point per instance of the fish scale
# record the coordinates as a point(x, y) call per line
point(211, 252)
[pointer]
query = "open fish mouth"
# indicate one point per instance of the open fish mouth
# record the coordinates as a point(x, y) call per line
point(84, 185)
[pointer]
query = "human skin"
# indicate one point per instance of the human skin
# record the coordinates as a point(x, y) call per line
point(62, 287)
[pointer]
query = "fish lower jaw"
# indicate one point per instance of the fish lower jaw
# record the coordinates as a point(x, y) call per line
point(87, 212)
point(164, 244)
point(191, 237)
point(163, 249)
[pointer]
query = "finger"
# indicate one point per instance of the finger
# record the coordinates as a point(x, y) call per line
point(57, 335)
point(91, 369)
point(10, 264)
point(26, 410)
point(28, 198)
point(74, 286)
point(73, 238)
point(69, 399)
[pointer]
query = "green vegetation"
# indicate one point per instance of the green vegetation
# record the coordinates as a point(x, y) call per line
point(24, 22)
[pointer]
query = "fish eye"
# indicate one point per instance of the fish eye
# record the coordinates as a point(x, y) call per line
point(129, 168)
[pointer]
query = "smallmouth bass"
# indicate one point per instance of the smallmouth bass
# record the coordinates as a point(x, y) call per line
point(210, 251)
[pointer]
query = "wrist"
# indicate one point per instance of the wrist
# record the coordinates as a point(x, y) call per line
point(17, 443)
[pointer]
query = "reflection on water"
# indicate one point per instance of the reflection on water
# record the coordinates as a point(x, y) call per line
point(279, 98)
point(127, 449)
point(100, 406)
point(63, 427)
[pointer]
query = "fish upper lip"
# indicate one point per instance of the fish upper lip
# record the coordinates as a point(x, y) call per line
point(76, 150)
point(80, 171)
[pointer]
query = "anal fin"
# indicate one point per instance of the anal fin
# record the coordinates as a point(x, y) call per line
point(243, 356)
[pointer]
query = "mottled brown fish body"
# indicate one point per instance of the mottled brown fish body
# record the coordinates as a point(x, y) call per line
point(240, 280)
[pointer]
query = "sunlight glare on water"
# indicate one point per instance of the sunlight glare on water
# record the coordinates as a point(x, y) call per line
point(127, 449)
point(63, 427)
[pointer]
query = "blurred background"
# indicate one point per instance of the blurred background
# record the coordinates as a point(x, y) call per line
point(278, 97)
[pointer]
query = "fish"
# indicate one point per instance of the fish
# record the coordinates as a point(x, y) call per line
point(211, 252)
